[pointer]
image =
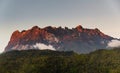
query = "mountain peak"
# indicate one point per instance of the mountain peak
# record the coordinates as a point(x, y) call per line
point(15, 34)
point(50, 27)
point(35, 27)
point(77, 39)
point(79, 28)
point(96, 29)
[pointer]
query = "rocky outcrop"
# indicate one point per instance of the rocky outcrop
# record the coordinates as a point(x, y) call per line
point(78, 39)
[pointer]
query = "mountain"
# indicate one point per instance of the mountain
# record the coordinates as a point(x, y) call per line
point(78, 39)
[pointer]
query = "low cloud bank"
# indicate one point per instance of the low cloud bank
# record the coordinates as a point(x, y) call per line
point(43, 46)
point(114, 43)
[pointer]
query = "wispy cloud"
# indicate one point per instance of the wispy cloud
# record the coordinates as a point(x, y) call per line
point(114, 43)
point(43, 46)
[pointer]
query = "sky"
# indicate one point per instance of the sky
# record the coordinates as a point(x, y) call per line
point(24, 14)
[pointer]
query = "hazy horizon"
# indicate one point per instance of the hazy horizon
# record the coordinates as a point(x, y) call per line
point(24, 14)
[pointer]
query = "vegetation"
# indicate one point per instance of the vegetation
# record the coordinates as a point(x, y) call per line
point(36, 61)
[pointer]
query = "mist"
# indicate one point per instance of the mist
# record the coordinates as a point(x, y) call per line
point(43, 46)
point(114, 43)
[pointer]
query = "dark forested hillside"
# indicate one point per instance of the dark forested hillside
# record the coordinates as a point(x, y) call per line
point(46, 61)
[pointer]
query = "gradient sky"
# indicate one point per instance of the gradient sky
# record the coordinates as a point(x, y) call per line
point(23, 14)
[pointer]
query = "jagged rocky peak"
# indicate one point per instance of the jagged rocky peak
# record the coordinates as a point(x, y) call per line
point(50, 27)
point(78, 39)
point(96, 29)
point(35, 27)
point(79, 28)
point(15, 34)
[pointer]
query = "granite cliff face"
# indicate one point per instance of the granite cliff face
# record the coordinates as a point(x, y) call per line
point(78, 39)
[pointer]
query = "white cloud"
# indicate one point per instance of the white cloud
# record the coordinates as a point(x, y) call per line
point(114, 43)
point(43, 46)
point(2, 46)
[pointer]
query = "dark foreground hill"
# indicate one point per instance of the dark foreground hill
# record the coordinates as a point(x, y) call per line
point(46, 61)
